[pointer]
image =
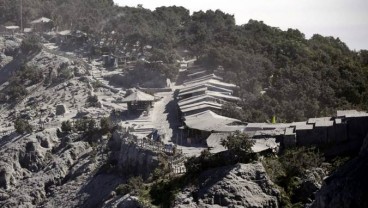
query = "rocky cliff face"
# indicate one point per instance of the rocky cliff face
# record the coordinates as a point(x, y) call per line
point(241, 185)
point(29, 168)
point(136, 161)
point(348, 186)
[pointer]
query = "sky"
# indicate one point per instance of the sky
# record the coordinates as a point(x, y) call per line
point(346, 19)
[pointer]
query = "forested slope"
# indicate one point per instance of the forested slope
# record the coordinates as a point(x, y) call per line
point(279, 72)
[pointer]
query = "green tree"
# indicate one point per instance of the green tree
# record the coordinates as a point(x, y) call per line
point(239, 145)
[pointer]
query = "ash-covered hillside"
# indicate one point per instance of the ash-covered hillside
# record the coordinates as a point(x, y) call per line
point(107, 106)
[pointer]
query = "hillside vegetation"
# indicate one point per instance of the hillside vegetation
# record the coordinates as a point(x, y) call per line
point(279, 72)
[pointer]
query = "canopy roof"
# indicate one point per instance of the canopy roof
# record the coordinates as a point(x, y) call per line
point(41, 20)
point(210, 121)
point(138, 96)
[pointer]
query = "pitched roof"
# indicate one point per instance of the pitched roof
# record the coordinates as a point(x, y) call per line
point(210, 121)
point(210, 81)
point(138, 96)
point(198, 98)
point(222, 96)
point(201, 105)
point(192, 87)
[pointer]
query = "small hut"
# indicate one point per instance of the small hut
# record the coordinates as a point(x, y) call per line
point(138, 101)
point(42, 24)
point(12, 29)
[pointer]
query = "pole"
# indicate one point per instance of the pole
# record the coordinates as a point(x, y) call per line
point(21, 16)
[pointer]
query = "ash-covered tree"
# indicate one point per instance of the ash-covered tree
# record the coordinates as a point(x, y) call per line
point(22, 126)
point(66, 126)
point(106, 125)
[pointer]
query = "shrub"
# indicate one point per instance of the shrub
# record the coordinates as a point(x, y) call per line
point(66, 126)
point(122, 189)
point(22, 126)
point(31, 44)
point(92, 101)
point(106, 125)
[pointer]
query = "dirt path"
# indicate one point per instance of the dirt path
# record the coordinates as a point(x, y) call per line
point(165, 116)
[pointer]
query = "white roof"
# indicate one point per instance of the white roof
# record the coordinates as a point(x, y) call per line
point(203, 89)
point(195, 99)
point(13, 27)
point(199, 106)
point(138, 96)
point(214, 142)
point(64, 32)
point(223, 96)
point(27, 30)
point(196, 73)
point(351, 113)
point(264, 144)
point(212, 82)
point(315, 120)
point(304, 127)
point(41, 20)
point(290, 131)
point(191, 87)
point(201, 103)
point(210, 121)
point(202, 78)
point(324, 123)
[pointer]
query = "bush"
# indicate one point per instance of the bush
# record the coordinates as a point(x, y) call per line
point(122, 189)
point(106, 125)
point(31, 44)
point(297, 160)
point(92, 101)
point(22, 126)
point(85, 125)
point(133, 185)
point(288, 168)
point(66, 126)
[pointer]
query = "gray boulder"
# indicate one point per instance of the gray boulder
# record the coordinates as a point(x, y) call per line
point(61, 109)
point(241, 185)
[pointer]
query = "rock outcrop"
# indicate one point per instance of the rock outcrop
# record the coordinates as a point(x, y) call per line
point(348, 186)
point(30, 166)
point(136, 161)
point(241, 185)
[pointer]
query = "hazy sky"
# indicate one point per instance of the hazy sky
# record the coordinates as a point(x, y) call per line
point(346, 19)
